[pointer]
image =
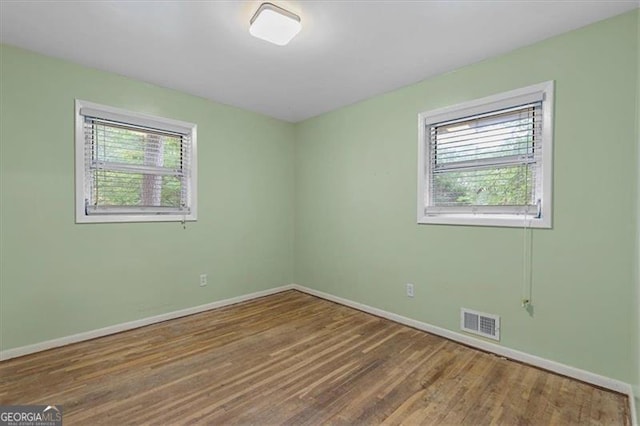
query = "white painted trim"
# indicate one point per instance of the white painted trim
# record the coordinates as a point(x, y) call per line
point(556, 367)
point(117, 328)
point(422, 167)
point(508, 99)
point(504, 220)
point(537, 92)
point(140, 119)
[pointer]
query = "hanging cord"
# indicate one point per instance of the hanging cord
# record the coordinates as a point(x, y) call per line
point(527, 241)
point(527, 253)
point(526, 264)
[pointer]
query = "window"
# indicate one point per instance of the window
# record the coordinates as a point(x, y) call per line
point(132, 167)
point(488, 162)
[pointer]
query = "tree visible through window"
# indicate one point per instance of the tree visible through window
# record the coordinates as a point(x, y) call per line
point(135, 169)
point(488, 162)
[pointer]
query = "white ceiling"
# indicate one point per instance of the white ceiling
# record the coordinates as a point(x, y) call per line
point(347, 50)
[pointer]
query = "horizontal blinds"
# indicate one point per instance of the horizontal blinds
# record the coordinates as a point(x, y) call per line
point(131, 169)
point(488, 163)
point(137, 120)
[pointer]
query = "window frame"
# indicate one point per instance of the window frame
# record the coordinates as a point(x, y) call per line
point(135, 119)
point(538, 92)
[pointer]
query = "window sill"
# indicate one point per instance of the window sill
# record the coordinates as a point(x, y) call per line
point(510, 221)
point(123, 218)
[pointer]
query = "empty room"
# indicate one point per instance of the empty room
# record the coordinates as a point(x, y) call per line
point(319, 212)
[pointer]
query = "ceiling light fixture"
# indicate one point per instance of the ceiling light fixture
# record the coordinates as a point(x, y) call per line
point(274, 24)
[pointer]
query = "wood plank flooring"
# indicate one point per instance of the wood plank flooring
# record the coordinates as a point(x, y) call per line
point(295, 359)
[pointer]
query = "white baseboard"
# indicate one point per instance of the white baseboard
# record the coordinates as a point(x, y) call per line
point(117, 328)
point(556, 367)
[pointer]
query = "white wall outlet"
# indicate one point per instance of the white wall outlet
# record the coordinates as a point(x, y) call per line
point(409, 288)
point(203, 280)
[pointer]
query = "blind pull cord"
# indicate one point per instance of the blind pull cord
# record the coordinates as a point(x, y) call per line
point(526, 256)
point(525, 266)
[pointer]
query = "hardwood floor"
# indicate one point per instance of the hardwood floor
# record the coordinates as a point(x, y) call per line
point(295, 359)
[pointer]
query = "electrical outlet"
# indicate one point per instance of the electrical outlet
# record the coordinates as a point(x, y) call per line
point(203, 280)
point(409, 288)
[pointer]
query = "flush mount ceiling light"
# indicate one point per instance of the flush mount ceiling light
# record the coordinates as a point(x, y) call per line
point(274, 24)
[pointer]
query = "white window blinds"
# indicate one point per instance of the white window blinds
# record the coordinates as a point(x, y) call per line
point(486, 163)
point(135, 170)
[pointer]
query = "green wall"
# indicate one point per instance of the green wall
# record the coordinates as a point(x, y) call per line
point(356, 234)
point(341, 189)
point(59, 278)
point(637, 260)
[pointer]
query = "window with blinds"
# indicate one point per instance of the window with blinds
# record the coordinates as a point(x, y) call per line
point(488, 162)
point(133, 167)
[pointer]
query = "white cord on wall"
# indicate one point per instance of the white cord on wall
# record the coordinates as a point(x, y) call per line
point(526, 264)
point(527, 253)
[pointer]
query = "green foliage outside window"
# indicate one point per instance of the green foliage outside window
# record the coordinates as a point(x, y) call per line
point(130, 147)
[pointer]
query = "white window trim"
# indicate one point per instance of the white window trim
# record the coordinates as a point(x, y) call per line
point(478, 106)
point(135, 118)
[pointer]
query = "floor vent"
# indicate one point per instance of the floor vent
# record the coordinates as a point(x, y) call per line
point(486, 325)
